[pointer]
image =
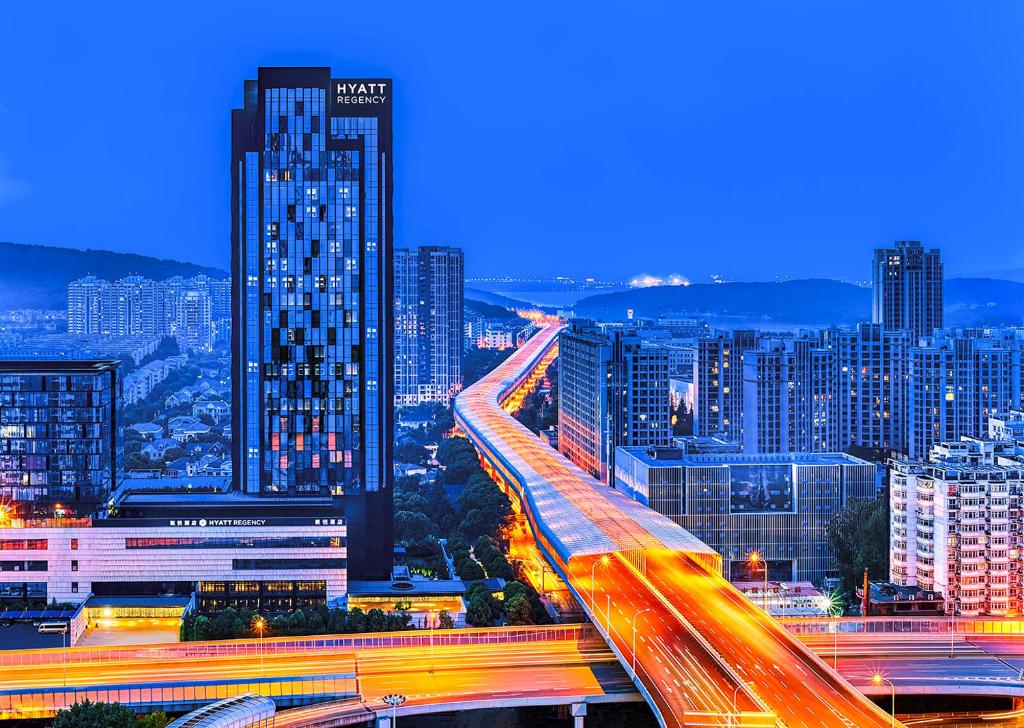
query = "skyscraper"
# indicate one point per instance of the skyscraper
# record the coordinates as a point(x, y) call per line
point(907, 288)
point(312, 327)
point(613, 390)
point(429, 283)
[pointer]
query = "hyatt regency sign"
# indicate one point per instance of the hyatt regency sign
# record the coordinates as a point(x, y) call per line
point(374, 93)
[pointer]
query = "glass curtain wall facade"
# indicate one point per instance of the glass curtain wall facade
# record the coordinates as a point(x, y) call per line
point(312, 322)
point(57, 435)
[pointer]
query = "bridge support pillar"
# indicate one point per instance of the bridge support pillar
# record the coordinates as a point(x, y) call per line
point(579, 713)
point(384, 721)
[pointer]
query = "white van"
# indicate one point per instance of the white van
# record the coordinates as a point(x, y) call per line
point(53, 628)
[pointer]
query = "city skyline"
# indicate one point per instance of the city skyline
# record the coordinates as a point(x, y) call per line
point(816, 152)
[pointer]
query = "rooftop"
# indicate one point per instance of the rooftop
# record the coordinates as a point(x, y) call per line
point(57, 366)
point(667, 456)
point(418, 587)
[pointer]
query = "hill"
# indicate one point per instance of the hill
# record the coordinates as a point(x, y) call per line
point(488, 310)
point(809, 303)
point(36, 276)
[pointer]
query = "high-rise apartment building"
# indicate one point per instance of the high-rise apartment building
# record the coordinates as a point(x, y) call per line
point(871, 385)
point(776, 504)
point(429, 324)
point(85, 305)
point(312, 330)
point(185, 308)
point(57, 434)
point(907, 288)
point(954, 526)
point(718, 383)
point(613, 390)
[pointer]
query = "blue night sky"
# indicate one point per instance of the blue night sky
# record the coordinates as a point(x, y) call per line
point(750, 139)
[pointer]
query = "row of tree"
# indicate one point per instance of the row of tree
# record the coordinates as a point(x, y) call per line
point(540, 411)
point(231, 624)
point(105, 715)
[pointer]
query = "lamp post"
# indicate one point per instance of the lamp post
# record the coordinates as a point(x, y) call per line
point(635, 618)
point(735, 697)
point(394, 701)
point(754, 559)
point(260, 625)
point(879, 679)
point(603, 561)
point(952, 625)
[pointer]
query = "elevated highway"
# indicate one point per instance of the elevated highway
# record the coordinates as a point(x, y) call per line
point(697, 650)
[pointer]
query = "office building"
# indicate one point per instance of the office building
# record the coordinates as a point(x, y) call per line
point(613, 389)
point(776, 504)
point(955, 526)
point(907, 288)
point(429, 324)
point(312, 268)
point(58, 423)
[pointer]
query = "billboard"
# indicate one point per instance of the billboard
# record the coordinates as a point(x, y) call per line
point(761, 489)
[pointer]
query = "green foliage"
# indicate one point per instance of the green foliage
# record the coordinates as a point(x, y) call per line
point(479, 362)
point(95, 715)
point(479, 612)
point(538, 411)
point(411, 452)
point(859, 538)
point(153, 720)
point(444, 620)
point(517, 610)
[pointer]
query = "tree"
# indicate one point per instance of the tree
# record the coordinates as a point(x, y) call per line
point(518, 611)
point(859, 538)
point(356, 621)
point(412, 526)
point(153, 720)
point(316, 624)
point(279, 625)
point(470, 570)
point(376, 621)
point(201, 628)
point(478, 613)
point(444, 620)
point(94, 715)
point(410, 452)
point(297, 622)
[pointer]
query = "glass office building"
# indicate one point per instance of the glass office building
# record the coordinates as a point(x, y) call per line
point(57, 435)
point(312, 317)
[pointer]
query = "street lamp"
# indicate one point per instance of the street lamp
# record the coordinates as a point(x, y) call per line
point(260, 625)
point(735, 697)
point(635, 618)
point(952, 624)
point(754, 559)
point(879, 679)
point(603, 561)
point(394, 701)
point(834, 611)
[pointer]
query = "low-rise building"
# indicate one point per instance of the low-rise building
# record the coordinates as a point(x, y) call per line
point(778, 505)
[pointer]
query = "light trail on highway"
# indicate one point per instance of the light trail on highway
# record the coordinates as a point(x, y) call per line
point(701, 646)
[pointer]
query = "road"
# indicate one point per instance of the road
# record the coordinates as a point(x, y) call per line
point(440, 673)
point(700, 643)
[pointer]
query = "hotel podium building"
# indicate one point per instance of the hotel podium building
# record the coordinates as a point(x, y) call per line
point(68, 531)
point(312, 321)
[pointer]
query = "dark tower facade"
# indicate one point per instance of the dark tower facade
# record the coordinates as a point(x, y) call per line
point(907, 288)
point(312, 339)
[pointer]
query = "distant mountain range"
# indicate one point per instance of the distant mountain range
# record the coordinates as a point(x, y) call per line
point(37, 276)
point(806, 303)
